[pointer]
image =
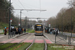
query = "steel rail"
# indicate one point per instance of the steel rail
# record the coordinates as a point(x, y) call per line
point(21, 40)
point(45, 44)
point(30, 44)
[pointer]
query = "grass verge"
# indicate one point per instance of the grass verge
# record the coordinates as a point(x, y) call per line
point(23, 46)
point(14, 47)
point(30, 31)
point(37, 46)
point(2, 47)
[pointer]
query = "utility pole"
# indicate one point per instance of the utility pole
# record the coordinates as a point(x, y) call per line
point(9, 17)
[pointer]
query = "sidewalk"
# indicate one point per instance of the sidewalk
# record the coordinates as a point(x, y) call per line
point(59, 39)
point(5, 37)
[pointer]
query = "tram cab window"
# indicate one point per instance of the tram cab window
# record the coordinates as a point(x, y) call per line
point(39, 28)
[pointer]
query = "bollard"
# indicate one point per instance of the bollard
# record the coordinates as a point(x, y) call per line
point(55, 37)
point(69, 40)
point(10, 35)
point(14, 33)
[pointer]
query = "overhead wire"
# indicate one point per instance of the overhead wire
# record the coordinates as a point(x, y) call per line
point(25, 5)
point(21, 4)
point(29, 5)
point(17, 4)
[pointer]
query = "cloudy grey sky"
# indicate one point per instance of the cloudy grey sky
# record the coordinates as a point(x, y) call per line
point(52, 7)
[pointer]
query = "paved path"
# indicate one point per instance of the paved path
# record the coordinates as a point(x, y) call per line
point(28, 38)
point(24, 38)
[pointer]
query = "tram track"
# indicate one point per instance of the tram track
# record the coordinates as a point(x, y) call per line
point(45, 44)
point(30, 44)
point(21, 41)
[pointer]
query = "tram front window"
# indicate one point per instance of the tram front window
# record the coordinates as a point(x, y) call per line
point(38, 28)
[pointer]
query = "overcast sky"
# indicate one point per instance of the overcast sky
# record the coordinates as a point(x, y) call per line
point(52, 7)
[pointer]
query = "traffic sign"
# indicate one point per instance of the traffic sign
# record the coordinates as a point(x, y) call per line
point(19, 24)
point(10, 20)
point(49, 25)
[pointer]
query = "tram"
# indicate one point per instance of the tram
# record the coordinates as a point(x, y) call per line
point(38, 29)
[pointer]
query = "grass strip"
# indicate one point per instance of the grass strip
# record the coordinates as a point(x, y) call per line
point(23, 46)
point(30, 31)
point(2, 47)
point(59, 47)
point(37, 46)
point(13, 47)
